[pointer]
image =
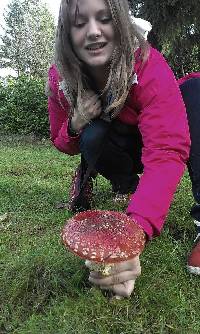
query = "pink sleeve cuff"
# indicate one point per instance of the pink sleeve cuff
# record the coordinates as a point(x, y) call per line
point(147, 228)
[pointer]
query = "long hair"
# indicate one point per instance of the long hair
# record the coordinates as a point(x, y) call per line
point(121, 64)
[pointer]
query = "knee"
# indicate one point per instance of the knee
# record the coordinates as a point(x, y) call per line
point(190, 86)
point(93, 136)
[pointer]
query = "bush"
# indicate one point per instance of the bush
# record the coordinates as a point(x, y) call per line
point(23, 106)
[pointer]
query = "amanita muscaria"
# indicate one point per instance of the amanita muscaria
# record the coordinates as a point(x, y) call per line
point(103, 238)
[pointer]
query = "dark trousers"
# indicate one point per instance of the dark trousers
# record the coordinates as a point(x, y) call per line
point(191, 95)
point(114, 149)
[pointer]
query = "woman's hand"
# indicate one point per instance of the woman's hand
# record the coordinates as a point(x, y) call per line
point(90, 108)
point(122, 279)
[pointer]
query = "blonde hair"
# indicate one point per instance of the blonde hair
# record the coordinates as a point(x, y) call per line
point(121, 65)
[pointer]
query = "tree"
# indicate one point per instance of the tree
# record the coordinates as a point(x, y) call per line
point(175, 30)
point(28, 41)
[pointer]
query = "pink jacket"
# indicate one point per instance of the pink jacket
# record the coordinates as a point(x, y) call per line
point(156, 106)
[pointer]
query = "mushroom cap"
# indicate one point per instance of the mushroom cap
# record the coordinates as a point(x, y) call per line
point(103, 236)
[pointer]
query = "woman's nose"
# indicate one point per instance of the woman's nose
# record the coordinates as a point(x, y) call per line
point(94, 30)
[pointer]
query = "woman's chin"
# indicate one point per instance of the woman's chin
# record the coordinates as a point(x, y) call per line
point(97, 63)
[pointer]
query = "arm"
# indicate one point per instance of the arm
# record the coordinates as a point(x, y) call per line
point(165, 134)
point(58, 118)
point(63, 129)
point(164, 128)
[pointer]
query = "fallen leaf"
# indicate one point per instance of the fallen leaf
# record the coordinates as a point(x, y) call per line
point(170, 326)
point(62, 205)
point(4, 217)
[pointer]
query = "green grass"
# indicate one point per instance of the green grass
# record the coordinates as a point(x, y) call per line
point(44, 289)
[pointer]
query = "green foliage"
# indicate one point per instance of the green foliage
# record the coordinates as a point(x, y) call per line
point(27, 43)
point(23, 106)
point(183, 59)
point(175, 30)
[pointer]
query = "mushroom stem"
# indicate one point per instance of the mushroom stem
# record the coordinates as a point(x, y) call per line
point(104, 268)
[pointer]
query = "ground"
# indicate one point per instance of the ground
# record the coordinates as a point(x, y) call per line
point(44, 289)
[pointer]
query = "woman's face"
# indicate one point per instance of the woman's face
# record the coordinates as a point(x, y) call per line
point(92, 32)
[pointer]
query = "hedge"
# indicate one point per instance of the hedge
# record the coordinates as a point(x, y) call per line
point(23, 106)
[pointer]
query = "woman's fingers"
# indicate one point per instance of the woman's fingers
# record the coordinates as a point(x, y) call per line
point(114, 279)
point(91, 108)
point(122, 277)
point(91, 99)
point(123, 289)
point(129, 265)
point(87, 109)
point(133, 264)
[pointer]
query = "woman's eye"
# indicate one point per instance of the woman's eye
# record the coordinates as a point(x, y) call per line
point(106, 19)
point(79, 24)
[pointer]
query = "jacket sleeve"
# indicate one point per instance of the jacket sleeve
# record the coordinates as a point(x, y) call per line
point(164, 128)
point(58, 117)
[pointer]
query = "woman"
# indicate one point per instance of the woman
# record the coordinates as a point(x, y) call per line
point(115, 100)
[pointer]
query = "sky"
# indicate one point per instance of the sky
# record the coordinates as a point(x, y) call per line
point(53, 6)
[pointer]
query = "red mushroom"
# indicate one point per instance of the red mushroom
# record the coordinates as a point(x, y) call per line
point(103, 237)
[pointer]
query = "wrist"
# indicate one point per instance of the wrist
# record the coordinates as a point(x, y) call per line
point(72, 132)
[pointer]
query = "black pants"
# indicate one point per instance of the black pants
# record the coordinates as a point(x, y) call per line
point(191, 95)
point(114, 149)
